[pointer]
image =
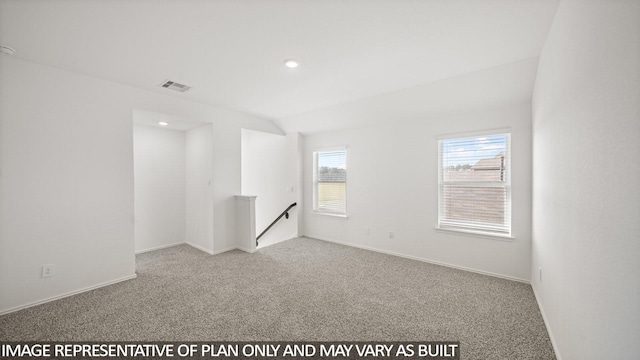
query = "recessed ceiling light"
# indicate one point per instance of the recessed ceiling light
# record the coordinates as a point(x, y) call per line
point(291, 63)
point(163, 123)
point(7, 50)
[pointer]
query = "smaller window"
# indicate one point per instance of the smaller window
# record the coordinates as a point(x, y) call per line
point(330, 182)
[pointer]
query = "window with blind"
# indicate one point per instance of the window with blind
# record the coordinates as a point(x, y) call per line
point(330, 182)
point(475, 184)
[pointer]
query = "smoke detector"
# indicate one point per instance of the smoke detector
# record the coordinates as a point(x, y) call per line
point(175, 86)
point(7, 50)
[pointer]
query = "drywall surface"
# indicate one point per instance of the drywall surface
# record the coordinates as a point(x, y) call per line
point(199, 194)
point(159, 187)
point(67, 184)
point(227, 178)
point(392, 186)
point(269, 171)
point(586, 212)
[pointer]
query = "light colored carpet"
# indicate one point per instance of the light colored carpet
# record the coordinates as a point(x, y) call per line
point(297, 290)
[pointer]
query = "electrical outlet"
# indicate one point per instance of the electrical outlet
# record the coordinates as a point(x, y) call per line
point(540, 273)
point(365, 231)
point(47, 270)
point(391, 235)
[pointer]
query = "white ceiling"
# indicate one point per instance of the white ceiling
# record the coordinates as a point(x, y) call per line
point(499, 86)
point(232, 52)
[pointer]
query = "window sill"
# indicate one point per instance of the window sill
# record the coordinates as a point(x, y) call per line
point(339, 216)
point(480, 234)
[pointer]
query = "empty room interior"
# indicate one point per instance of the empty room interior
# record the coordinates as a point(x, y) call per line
point(331, 171)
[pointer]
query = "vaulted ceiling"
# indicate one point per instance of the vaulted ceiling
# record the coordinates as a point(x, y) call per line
point(231, 52)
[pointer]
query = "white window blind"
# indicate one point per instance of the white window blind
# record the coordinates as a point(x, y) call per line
point(330, 182)
point(475, 184)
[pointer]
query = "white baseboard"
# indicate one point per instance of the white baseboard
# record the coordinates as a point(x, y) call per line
point(89, 288)
point(200, 248)
point(246, 250)
point(159, 247)
point(546, 324)
point(213, 252)
point(67, 294)
point(225, 250)
point(420, 259)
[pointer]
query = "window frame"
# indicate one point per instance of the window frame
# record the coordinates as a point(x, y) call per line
point(465, 227)
point(314, 200)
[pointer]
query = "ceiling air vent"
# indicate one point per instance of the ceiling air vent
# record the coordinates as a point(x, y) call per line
point(175, 86)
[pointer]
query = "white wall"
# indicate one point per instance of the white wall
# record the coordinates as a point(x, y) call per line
point(269, 171)
point(199, 195)
point(227, 176)
point(586, 203)
point(67, 184)
point(159, 187)
point(392, 185)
